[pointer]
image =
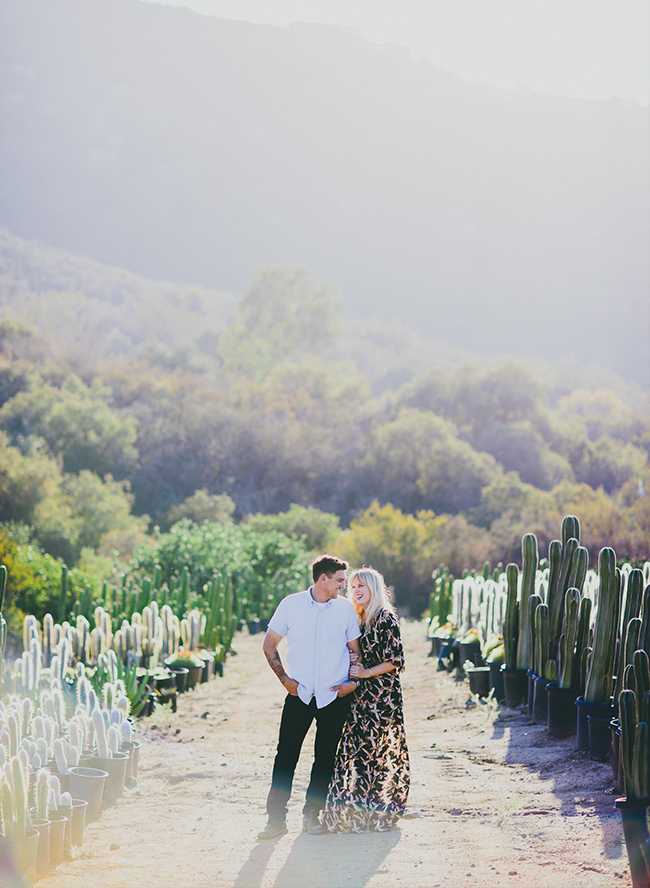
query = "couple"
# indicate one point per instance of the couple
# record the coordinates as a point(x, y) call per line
point(343, 657)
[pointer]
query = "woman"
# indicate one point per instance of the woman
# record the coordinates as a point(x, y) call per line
point(370, 783)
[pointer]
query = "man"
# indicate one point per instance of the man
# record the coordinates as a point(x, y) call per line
point(321, 629)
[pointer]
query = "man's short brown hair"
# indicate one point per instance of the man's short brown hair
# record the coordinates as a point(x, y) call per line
point(327, 564)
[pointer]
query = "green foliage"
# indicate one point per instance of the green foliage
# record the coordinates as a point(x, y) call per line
point(317, 530)
point(404, 548)
point(202, 506)
point(286, 312)
point(77, 424)
point(264, 567)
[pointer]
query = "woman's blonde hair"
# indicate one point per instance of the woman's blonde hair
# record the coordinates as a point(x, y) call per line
point(379, 594)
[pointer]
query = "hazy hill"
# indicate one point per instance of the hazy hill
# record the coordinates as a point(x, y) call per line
point(191, 148)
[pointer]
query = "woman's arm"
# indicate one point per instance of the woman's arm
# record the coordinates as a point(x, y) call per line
point(359, 671)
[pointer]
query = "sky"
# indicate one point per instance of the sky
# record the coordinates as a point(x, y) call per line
point(590, 49)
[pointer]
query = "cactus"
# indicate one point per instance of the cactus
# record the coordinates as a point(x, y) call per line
point(13, 793)
point(511, 620)
point(528, 572)
point(584, 618)
point(100, 734)
point(533, 602)
point(598, 686)
point(63, 595)
point(541, 639)
point(567, 646)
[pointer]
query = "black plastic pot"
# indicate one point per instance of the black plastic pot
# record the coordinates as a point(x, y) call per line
point(530, 699)
point(635, 831)
point(540, 700)
point(479, 680)
point(645, 851)
point(515, 686)
point(254, 626)
point(600, 737)
point(496, 681)
point(561, 718)
point(470, 651)
point(181, 674)
point(602, 710)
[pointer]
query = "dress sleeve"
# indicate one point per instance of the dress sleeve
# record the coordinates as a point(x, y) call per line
point(391, 640)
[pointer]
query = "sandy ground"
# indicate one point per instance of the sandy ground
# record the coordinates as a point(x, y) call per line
point(493, 801)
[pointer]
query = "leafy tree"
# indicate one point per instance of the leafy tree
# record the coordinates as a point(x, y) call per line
point(76, 422)
point(318, 530)
point(286, 312)
point(202, 506)
point(416, 461)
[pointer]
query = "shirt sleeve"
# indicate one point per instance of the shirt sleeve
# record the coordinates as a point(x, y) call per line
point(353, 630)
point(391, 640)
point(279, 621)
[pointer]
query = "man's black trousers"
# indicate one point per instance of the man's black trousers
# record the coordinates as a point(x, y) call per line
point(296, 721)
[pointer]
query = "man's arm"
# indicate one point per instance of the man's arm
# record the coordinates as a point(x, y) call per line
point(349, 686)
point(270, 648)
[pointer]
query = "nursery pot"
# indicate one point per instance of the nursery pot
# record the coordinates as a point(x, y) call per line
point(42, 827)
point(540, 700)
point(614, 749)
point(181, 675)
point(116, 770)
point(253, 626)
point(530, 700)
point(515, 686)
point(600, 737)
point(66, 811)
point(602, 710)
point(645, 851)
point(208, 668)
point(79, 808)
point(58, 823)
point(218, 668)
point(471, 651)
point(635, 831)
point(496, 681)
point(88, 784)
point(561, 720)
point(479, 680)
point(17, 856)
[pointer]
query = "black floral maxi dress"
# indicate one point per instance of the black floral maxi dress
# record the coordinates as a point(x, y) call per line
point(370, 782)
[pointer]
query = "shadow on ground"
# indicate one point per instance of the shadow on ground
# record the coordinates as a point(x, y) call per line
point(320, 861)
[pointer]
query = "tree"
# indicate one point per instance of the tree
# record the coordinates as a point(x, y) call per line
point(286, 313)
point(77, 424)
point(202, 506)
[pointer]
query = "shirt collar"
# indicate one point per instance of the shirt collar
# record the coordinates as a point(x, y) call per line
point(312, 601)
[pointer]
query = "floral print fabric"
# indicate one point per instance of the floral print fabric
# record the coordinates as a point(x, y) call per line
point(370, 782)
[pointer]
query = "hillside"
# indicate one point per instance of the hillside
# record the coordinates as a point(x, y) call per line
point(190, 148)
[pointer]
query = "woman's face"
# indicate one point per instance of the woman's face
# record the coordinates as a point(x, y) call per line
point(360, 592)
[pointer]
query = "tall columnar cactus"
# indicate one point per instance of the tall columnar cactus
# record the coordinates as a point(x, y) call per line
point(541, 639)
point(63, 594)
point(13, 794)
point(598, 687)
point(511, 619)
point(3, 623)
point(584, 619)
point(533, 602)
point(634, 748)
point(528, 572)
point(567, 646)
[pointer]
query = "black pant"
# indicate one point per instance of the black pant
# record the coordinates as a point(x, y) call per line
point(296, 721)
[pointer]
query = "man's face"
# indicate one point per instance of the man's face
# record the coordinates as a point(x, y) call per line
point(335, 584)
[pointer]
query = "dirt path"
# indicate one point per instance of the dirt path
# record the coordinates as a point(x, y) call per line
point(493, 802)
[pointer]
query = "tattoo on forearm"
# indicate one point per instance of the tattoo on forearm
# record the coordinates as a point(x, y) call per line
point(276, 664)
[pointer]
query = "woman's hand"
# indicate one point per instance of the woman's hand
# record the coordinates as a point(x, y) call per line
point(359, 671)
point(347, 687)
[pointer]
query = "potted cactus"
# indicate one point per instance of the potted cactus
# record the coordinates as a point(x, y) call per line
point(515, 681)
point(596, 700)
point(19, 841)
point(635, 751)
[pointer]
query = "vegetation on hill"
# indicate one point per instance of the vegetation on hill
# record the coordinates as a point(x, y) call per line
point(276, 416)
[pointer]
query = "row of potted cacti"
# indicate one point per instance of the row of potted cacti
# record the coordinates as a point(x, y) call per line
point(574, 648)
point(66, 749)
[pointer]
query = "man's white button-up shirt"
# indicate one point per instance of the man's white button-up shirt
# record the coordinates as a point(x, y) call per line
point(317, 636)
